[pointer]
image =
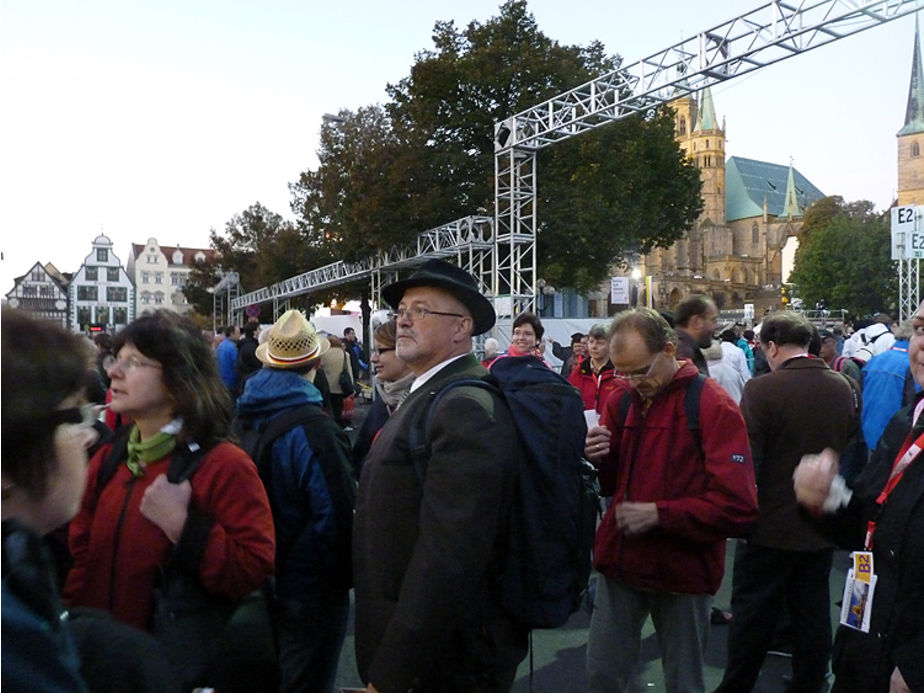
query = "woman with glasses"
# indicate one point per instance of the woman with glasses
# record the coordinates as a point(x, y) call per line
point(392, 383)
point(215, 526)
point(47, 428)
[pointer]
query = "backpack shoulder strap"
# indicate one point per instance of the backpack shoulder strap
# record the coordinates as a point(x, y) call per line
point(117, 454)
point(185, 461)
point(301, 415)
point(418, 442)
point(625, 402)
point(691, 406)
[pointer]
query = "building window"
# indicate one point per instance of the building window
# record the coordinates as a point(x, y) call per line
point(200, 257)
point(159, 297)
point(102, 255)
point(86, 293)
point(84, 316)
point(915, 150)
point(116, 294)
point(29, 292)
point(91, 273)
point(145, 277)
point(682, 128)
point(146, 297)
point(158, 277)
point(707, 144)
point(755, 234)
point(152, 259)
point(38, 275)
point(112, 274)
point(120, 316)
point(102, 314)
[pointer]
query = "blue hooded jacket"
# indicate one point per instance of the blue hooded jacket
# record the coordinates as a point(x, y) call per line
point(303, 511)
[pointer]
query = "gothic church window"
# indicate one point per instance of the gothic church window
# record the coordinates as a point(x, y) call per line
point(682, 128)
point(755, 234)
point(915, 149)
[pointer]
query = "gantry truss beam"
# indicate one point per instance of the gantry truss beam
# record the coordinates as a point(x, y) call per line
point(506, 266)
point(768, 34)
point(468, 241)
point(772, 32)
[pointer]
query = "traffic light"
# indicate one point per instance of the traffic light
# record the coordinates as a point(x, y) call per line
point(784, 294)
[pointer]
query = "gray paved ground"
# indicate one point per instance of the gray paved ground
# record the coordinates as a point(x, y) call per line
point(558, 655)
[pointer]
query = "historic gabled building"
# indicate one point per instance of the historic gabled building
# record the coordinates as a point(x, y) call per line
point(911, 136)
point(42, 292)
point(160, 273)
point(101, 292)
point(751, 208)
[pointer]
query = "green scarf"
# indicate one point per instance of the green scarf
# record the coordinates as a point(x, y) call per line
point(140, 453)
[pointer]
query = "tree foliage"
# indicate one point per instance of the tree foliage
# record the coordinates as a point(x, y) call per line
point(844, 258)
point(262, 247)
point(387, 173)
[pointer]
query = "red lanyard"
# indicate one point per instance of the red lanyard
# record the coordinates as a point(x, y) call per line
point(907, 455)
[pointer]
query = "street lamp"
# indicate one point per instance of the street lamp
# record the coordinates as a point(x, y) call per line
point(636, 275)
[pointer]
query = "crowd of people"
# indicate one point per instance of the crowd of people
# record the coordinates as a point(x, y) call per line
point(185, 513)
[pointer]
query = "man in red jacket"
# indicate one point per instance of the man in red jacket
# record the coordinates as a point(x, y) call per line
point(679, 488)
point(594, 376)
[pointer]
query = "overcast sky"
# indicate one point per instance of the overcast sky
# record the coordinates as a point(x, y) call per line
point(165, 118)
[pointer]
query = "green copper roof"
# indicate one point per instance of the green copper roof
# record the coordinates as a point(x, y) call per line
point(791, 206)
point(914, 113)
point(705, 118)
point(749, 182)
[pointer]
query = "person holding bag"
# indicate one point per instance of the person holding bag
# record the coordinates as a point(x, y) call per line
point(336, 366)
point(170, 503)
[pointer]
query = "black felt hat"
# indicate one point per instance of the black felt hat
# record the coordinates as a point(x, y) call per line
point(456, 281)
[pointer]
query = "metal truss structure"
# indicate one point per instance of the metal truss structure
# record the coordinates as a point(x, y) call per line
point(909, 288)
point(467, 241)
point(769, 34)
point(773, 32)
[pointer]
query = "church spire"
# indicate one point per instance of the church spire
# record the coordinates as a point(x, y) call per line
point(914, 113)
point(791, 206)
point(705, 119)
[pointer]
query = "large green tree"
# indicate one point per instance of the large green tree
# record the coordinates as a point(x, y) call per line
point(844, 258)
point(427, 157)
point(262, 247)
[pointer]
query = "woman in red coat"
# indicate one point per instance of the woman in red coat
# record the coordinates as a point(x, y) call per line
point(216, 526)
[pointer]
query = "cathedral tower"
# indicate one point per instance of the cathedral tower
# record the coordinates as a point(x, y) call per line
point(911, 136)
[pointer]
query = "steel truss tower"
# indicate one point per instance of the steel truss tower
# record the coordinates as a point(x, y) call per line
point(770, 33)
point(909, 288)
point(506, 263)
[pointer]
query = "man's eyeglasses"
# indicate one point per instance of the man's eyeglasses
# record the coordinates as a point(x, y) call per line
point(127, 364)
point(379, 352)
point(642, 373)
point(419, 313)
point(85, 415)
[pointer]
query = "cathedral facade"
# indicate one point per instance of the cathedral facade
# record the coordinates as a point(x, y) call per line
point(734, 252)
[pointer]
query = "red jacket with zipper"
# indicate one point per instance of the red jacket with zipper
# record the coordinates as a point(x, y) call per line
point(228, 538)
point(595, 389)
point(702, 498)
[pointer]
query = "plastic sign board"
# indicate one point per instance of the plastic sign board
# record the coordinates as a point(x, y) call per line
point(907, 233)
point(619, 291)
point(748, 311)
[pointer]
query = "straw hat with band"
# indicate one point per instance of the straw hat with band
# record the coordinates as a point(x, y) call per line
point(455, 280)
point(292, 342)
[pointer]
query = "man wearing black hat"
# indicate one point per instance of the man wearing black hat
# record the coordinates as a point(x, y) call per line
point(426, 550)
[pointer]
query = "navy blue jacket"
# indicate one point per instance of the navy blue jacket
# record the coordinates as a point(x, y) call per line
point(303, 510)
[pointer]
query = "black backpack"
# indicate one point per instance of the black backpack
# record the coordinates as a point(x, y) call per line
point(332, 447)
point(555, 510)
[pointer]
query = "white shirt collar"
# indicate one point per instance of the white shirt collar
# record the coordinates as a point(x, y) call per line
point(421, 379)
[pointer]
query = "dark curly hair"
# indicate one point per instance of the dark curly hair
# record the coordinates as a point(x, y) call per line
point(42, 365)
point(190, 372)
